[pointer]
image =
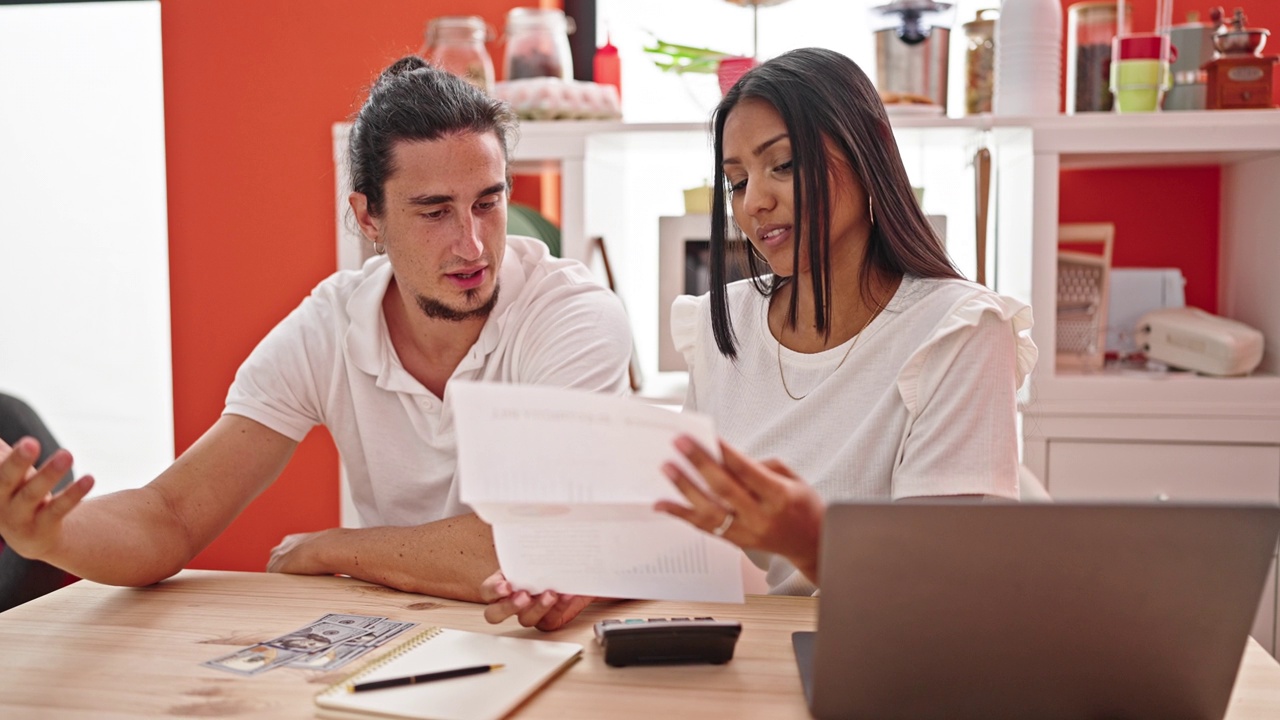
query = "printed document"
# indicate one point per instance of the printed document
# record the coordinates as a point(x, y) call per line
point(568, 480)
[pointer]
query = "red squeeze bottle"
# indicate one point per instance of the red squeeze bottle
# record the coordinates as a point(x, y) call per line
point(607, 69)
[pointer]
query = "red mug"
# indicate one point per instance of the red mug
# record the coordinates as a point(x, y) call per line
point(1143, 46)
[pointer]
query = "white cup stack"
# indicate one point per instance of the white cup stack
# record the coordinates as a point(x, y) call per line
point(1028, 77)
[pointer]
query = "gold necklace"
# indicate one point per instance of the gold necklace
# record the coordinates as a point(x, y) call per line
point(857, 335)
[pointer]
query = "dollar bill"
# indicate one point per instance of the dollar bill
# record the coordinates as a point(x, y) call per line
point(330, 642)
point(363, 621)
point(254, 660)
point(382, 632)
point(316, 636)
point(332, 657)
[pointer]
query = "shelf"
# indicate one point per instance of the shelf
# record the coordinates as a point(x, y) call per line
point(1124, 393)
point(1216, 134)
point(566, 140)
point(1159, 139)
point(544, 141)
point(1221, 132)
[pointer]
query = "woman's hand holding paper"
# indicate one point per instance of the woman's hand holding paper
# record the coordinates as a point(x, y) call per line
point(756, 505)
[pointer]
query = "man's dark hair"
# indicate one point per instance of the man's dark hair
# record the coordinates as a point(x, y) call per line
point(411, 100)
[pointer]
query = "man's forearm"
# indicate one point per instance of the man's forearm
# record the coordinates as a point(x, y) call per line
point(448, 558)
point(127, 538)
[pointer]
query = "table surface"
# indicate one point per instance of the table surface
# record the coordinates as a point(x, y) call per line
point(95, 651)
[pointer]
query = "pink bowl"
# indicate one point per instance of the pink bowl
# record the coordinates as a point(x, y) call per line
point(732, 68)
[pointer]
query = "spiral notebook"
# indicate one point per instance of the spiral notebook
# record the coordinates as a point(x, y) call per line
point(527, 666)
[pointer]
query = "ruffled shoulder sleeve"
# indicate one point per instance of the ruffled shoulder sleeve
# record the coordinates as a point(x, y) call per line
point(965, 316)
point(685, 311)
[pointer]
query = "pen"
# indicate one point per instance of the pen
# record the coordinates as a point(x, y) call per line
point(424, 678)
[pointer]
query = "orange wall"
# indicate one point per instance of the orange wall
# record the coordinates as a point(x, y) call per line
point(252, 88)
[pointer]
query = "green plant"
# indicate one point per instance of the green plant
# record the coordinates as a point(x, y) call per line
point(680, 59)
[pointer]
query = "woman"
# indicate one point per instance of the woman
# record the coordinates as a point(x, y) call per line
point(859, 354)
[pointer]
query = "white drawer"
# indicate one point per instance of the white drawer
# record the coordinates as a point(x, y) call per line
point(1085, 470)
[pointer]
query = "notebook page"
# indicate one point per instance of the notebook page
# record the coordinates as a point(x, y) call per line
point(528, 664)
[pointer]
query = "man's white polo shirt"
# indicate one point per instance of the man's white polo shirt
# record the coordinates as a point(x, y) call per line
point(331, 363)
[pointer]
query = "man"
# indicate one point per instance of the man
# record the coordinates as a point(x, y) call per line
point(369, 355)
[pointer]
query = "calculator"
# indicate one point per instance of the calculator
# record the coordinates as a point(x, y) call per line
point(647, 641)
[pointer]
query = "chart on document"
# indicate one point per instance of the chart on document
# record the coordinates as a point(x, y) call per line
point(568, 480)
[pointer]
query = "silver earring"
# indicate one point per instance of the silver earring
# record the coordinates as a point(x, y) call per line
point(379, 248)
point(871, 211)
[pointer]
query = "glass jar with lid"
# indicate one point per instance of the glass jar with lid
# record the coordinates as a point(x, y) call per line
point(456, 43)
point(980, 62)
point(1090, 27)
point(537, 44)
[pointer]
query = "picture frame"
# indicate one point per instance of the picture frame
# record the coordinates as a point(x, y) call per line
point(684, 268)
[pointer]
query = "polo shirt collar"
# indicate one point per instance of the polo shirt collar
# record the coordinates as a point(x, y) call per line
point(368, 342)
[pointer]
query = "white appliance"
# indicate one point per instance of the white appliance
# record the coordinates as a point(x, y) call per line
point(1192, 339)
point(1135, 292)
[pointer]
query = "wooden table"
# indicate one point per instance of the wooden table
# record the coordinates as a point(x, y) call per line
point(94, 651)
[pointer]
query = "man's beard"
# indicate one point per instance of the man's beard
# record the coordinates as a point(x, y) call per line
point(437, 310)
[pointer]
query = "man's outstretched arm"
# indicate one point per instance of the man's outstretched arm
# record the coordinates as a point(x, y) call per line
point(141, 536)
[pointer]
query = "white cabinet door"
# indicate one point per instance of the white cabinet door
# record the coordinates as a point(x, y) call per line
point(1195, 472)
point(1163, 471)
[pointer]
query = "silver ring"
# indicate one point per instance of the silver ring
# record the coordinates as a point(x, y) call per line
point(724, 525)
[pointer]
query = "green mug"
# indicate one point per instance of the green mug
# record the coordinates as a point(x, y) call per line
point(1139, 84)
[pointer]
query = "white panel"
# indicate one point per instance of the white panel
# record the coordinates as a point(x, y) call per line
point(632, 179)
point(1149, 471)
point(1250, 248)
point(83, 240)
point(1026, 192)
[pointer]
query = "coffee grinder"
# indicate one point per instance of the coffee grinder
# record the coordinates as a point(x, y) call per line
point(1240, 76)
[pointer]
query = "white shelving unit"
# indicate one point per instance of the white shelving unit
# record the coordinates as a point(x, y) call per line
point(1246, 146)
point(1129, 435)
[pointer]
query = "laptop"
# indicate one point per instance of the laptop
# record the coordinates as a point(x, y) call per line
point(1066, 610)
